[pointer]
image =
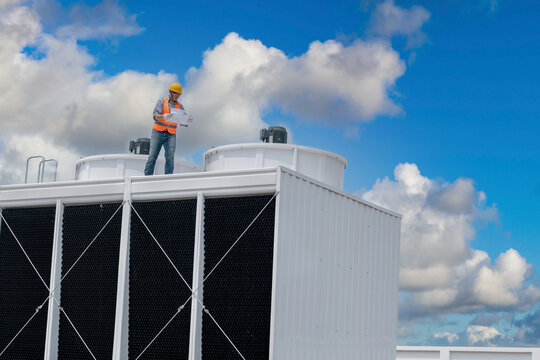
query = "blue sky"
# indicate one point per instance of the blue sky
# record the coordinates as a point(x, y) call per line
point(433, 103)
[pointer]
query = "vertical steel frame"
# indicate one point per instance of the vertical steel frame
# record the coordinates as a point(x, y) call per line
point(53, 315)
point(120, 346)
point(279, 174)
point(195, 351)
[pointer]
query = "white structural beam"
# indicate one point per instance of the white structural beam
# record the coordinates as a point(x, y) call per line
point(166, 187)
point(53, 315)
point(274, 256)
point(466, 353)
point(198, 273)
point(120, 346)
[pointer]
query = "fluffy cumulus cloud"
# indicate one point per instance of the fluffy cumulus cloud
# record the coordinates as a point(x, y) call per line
point(240, 79)
point(480, 335)
point(390, 20)
point(51, 89)
point(498, 285)
point(440, 272)
point(54, 105)
point(447, 337)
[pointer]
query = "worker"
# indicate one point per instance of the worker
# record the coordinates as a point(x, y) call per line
point(163, 131)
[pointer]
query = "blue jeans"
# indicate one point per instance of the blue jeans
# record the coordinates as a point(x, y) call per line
point(158, 139)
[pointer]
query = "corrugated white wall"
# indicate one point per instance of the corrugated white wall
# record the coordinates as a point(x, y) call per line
point(336, 262)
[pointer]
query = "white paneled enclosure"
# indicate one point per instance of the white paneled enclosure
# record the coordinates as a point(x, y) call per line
point(246, 264)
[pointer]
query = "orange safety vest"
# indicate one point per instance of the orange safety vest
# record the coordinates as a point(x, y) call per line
point(162, 125)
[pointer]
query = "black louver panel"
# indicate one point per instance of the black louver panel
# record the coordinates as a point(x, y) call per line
point(21, 290)
point(238, 292)
point(156, 290)
point(88, 293)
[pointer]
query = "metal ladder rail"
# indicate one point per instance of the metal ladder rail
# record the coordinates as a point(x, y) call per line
point(27, 162)
point(41, 169)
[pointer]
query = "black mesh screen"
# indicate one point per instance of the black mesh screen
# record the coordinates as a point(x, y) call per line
point(88, 293)
point(238, 292)
point(156, 290)
point(21, 290)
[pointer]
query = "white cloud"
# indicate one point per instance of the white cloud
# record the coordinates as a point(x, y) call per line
point(113, 111)
point(427, 277)
point(482, 334)
point(447, 274)
point(438, 298)
point(332, 81)
point(389, 20)
point(499, 285)
point(61, 102)
point(49, 86)
point(229, 92)
point(458, 197)
point(430, 222)
point(450, 337)
point(240, 79)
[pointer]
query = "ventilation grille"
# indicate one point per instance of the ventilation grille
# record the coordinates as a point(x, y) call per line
point(21, 290)
point(156, 290)
point(88, 293)
point(238, 293)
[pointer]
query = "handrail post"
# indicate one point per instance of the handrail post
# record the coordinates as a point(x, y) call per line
point(27, 161)
point(41, 170)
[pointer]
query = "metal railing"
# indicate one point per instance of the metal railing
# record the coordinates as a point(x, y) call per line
point(41, 168)
point(466, 353)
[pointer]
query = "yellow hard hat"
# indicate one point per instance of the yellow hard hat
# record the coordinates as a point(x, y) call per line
point(176, 87)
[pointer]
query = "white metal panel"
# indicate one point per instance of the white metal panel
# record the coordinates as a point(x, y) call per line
point(53, 312)
point(67, 191)
point(318, 164)
point(153, 186)
point(466, 353)
point(336, 275)
point(195, 337)
point(120, 345)
point(335, 256)
point(121, 165)
point(423, 355)
point(142, 188)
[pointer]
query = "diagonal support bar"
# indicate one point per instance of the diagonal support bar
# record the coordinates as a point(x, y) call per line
point(51, 292)
point(194, 292)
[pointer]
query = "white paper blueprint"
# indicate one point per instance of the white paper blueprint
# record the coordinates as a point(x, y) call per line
point(179, 116)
